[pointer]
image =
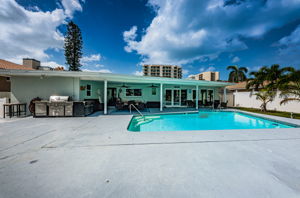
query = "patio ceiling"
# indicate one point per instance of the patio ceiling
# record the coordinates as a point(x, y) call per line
point(98, 76)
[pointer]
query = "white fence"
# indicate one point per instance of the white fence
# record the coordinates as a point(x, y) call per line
point(244, 99)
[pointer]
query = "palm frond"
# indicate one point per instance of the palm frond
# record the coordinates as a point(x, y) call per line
point(286, 100)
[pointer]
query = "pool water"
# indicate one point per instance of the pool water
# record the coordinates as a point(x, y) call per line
point(218, 120)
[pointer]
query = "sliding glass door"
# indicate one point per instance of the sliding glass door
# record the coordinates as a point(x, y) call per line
point(175, 97)
point(183, 97)
point(168, 97)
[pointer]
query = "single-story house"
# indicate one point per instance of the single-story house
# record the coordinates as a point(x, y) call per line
point(4, 80)
point(106, 87)
point(239, 96)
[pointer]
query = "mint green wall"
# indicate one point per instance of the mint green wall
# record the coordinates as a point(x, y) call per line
point(95, 86)
point(25, 88)
point(146, 91)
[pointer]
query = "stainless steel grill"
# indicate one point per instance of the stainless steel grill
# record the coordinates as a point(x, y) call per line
point(58, 98)
point(60, 106)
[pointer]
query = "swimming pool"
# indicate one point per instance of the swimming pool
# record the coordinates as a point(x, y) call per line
point(208, 120)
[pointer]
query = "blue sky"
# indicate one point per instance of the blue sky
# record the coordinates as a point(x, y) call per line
point(120, 35)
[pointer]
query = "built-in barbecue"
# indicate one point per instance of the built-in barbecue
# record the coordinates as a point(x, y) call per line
point(61, 106)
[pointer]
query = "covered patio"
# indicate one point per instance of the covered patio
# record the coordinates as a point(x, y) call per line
point(161, 93)
point(115, 91)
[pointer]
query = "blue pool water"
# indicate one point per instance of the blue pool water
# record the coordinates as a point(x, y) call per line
point(218, 120)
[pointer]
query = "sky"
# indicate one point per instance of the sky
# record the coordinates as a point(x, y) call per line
point(121, 35)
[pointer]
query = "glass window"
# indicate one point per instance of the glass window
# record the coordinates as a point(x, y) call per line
point(133, 92)
point(153, 91)
point(129, 92)
point(137, 92)
point(88, 90)
point(194, 94)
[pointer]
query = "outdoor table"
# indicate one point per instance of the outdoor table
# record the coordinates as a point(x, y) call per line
point(14, 109)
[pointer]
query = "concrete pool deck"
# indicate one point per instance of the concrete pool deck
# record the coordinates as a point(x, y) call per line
point(97, 157)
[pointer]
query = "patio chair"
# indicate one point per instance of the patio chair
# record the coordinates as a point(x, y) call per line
point(224, 104)
point(200, 103)
point(190, 103)
point(216, 104)
point(141, 106)
point(119, 105)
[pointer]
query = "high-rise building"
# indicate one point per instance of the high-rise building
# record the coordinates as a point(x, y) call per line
point(168, 71)
point(209, 76)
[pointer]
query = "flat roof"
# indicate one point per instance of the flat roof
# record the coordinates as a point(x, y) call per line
point(99, 76)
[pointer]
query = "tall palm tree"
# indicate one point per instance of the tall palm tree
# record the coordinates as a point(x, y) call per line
point(270, 75)
point(274, 74)
point(257, 79)
point(237, 74)
point(289, 85)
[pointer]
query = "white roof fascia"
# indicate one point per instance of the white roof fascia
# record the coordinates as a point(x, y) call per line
point(112, 77)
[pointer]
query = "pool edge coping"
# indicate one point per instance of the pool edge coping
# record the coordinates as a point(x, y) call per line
point(282, 120)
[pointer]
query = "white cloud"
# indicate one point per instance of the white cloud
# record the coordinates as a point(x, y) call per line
point(29, 33)
point(184, 31)
point(100, 70)
point(235, 59)
point(185, 71)
point(99, 65)
point(138, 73)
point(129, 37)
point(71, 6)
point(52, 64)
point(91, 58)
point(205, 69)
point(289, 49)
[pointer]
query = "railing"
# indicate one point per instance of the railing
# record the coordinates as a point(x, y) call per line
point(132, 105)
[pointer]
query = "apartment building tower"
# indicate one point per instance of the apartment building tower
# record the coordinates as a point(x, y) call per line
point(209, 76)
point(168, 71)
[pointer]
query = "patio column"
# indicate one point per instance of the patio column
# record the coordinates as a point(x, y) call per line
point(161, 97)
point(224, 95)
point(197, 97)
point(105, 97)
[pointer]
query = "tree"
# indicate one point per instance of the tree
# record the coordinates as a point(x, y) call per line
point(73, 46)
point(265, 97)
point(274, 74)
point(257, 79)
point(267, 77)
point(289, 85)
point(237, 74)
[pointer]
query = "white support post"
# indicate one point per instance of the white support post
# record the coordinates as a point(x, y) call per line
point(224, 95)
point(197, 97)
point(105, 97)
point(161, 97)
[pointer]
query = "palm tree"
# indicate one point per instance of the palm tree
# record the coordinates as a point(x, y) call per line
point(289, 85)
point(258, 78)
point(237, 74)
point(274, 74)
point(270, 75)
point(265, 97)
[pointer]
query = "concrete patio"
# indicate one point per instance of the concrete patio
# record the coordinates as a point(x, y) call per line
point(97, 157)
